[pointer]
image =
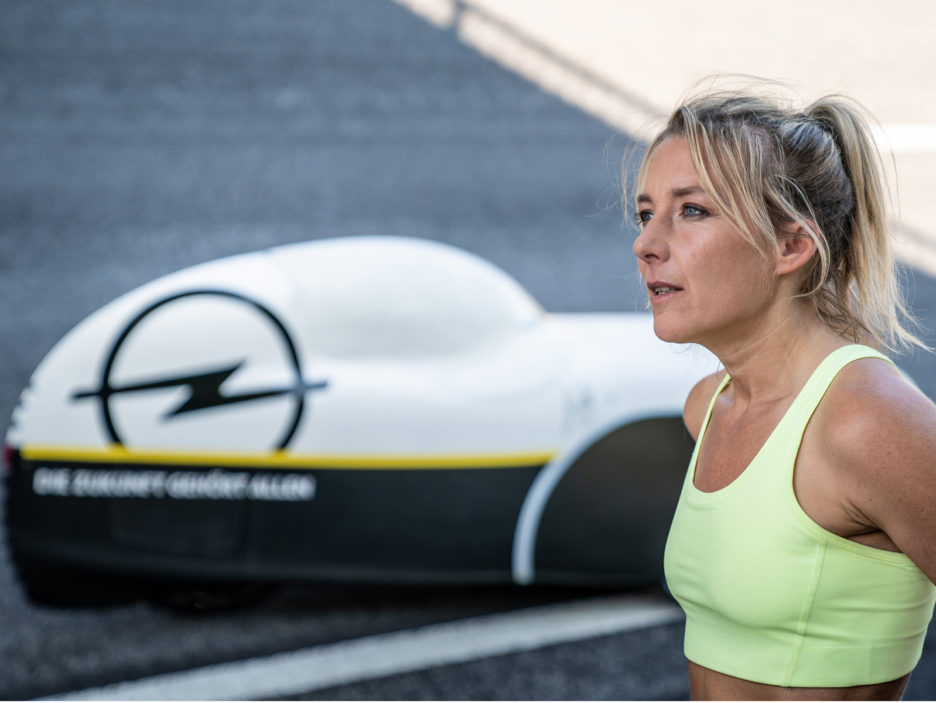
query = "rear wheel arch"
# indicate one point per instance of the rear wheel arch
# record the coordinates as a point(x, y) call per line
point(601, 513)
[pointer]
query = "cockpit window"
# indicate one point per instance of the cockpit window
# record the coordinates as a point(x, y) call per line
point(364, 297)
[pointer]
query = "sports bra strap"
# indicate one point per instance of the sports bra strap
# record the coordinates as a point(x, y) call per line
point(812, 393)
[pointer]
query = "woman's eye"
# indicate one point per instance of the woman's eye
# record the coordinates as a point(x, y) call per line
point(694, 211)
point(643, 217)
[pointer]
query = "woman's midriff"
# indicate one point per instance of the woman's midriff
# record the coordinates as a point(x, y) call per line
point(707, 685)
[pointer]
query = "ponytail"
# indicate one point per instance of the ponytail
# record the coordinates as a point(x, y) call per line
point(865, 283)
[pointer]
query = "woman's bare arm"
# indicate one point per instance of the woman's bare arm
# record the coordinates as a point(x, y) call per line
point(880, 441)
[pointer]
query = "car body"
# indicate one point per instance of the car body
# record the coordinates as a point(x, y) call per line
point(360, 409)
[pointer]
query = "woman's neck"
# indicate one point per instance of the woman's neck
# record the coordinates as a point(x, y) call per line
point(775, 360)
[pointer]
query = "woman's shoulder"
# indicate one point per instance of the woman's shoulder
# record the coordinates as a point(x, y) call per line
point(698, 401)
point(877, 438)
point(877, 426)
point(872, 396)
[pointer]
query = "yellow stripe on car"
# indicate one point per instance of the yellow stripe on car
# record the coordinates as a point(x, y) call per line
point(117, 454)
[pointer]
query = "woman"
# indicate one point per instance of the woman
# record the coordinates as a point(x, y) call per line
point(803, 548)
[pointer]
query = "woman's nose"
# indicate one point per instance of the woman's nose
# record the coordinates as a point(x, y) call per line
point(650, 244)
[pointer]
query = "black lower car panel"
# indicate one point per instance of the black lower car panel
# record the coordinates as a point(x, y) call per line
point(259, 523)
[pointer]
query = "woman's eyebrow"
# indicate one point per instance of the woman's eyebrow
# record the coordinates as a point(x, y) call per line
point(687, 190)
point(676, 193)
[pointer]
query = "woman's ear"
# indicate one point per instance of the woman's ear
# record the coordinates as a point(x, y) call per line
point(796, 245)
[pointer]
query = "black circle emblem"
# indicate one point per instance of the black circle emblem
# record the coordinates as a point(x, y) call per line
point(204, 386)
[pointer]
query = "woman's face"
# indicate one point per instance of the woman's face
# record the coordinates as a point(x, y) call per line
point(705, 282)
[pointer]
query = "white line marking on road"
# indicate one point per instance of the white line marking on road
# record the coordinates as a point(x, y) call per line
point(314, 668)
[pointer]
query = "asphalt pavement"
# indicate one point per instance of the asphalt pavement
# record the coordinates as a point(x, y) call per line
point(141, 138)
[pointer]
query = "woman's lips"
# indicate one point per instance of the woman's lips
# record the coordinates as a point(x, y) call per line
point(662, 290)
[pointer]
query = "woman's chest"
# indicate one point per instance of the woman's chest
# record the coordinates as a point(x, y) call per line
point(797, 457)
point(730, 442)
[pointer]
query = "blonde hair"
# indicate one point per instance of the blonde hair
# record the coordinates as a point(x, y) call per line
point(767, 166)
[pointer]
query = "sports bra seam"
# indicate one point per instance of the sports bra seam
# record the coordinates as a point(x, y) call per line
point(802, 627)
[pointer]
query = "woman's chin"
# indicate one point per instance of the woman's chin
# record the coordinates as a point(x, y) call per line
point(668, 333)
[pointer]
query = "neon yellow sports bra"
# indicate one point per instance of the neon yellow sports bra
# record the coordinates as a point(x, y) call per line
point(772, 597)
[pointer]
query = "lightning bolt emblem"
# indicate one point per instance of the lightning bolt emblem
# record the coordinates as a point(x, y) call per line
point(204, 390)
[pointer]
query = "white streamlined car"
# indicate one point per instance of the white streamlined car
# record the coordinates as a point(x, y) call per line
point(369, 409)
